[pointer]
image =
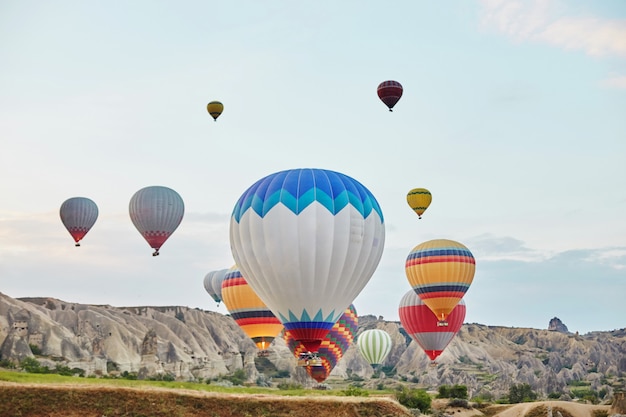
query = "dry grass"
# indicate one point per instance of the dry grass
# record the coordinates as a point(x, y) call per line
point(36, 400)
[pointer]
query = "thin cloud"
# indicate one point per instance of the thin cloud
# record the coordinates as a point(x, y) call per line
point(540, 21)
point(615, 82)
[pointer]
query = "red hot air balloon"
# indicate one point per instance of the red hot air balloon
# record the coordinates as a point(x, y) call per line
point(78, 215)
point(422, 325)
point(389, 93)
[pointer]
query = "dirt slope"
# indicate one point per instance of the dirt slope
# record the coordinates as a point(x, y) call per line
point(36, 400)
point(567, 408)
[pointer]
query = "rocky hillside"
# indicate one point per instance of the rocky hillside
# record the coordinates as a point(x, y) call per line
point(189, 344)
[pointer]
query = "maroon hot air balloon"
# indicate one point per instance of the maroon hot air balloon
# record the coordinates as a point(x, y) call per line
point(389, 93)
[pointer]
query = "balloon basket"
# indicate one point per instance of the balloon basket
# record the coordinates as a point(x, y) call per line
point(309, 359)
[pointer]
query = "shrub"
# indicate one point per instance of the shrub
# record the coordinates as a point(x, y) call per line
point(237, 378)
point(33, 366)
point(455, 391)
point(355, 391)
point(282, 374)
point(129, 375)
point(35, 349)
point(5, 363)
point(289, 386)
point(459, 402)
point(414, 398)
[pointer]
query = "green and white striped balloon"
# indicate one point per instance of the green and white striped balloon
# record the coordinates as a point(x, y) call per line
point(374, 345)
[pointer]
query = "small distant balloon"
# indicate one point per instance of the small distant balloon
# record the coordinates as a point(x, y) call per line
point(215, 108)
point(389, 93)
point(78, 215)
point(156, 212)
point(419, 199)
point(213, 284)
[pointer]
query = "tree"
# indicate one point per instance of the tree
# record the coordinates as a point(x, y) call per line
point(455, 391)
point(519, 393)
point(414, 398)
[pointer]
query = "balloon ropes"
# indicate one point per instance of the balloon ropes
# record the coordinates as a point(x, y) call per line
point(78, 215)
point(215, 108)
point(422, 325)
point(307, 241)
point(374, 345)
point(419, 199)
point(213, 284)
point(156, 212)
point(332, 349)
point(249, 311)
point(440, 272)
point(389, 93)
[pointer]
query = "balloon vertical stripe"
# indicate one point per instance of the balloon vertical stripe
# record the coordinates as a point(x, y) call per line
point(374, 345)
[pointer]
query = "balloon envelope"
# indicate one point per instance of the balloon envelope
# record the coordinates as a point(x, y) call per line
point(78, 215)
point(156, 212)
point(213, 284)
point(419, 199)
point(389, 93)
point(307, 241)
point(422, 325)
point(248, 310)
point(334, 345)
point(374, 345)
point(440, 272)
point(215, 108)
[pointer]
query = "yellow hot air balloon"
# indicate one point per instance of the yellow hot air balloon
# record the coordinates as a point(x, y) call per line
point(249, 311)
point(215, 108)
point(419, 199)
point(440, 271)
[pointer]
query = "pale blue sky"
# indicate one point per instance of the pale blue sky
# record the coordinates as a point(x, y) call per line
point(513, 116)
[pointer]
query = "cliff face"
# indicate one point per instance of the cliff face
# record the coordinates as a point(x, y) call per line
point(189, 344)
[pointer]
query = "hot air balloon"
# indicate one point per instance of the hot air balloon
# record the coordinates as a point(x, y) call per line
point(440, 272)
point(307, 241)
point(419, 199)
point(215, 108)
point(389, 93)
point(374, 345)
point(422, 325)
point(156, 212)
point(334, 345)
point(78, 215)
point(213, 284)
point(249, 311)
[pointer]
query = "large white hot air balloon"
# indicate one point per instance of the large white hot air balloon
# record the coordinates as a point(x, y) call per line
point(307, 241)
point(156, 212)
point(78, 215)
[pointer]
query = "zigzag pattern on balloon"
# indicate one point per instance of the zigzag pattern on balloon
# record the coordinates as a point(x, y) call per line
point(307, 319)
point(334, 345)
point(298, 189)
